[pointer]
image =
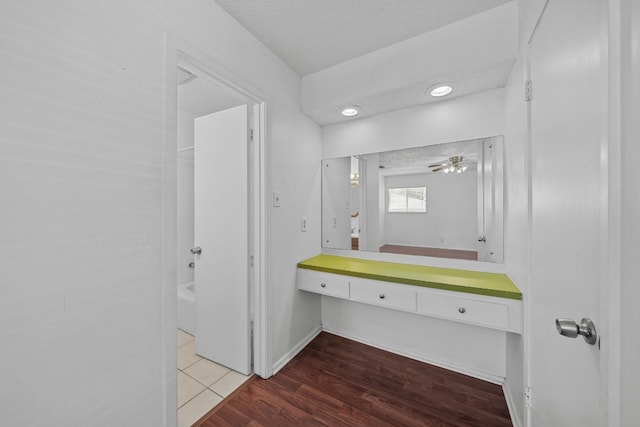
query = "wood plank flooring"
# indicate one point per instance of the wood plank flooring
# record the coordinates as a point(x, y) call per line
point(338, 382)
point(433, 252)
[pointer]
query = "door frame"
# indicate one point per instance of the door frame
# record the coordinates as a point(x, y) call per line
point(610, 223)
point(178, 52)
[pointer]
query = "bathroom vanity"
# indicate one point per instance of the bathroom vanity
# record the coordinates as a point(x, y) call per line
point(456, 319)
point(489, 300)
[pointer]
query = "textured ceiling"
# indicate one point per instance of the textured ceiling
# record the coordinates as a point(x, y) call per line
point(311, 35)
point(383, 55)
point(421, 157)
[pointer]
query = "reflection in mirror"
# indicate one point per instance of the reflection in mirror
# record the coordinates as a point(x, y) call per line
point(441, 200)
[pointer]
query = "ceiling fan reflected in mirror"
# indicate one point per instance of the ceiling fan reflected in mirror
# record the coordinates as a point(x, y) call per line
point(455, 164)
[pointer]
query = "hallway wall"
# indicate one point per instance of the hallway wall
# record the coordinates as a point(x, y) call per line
point(85, 273)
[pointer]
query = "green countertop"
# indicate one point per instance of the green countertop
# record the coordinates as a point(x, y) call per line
point(471, 282)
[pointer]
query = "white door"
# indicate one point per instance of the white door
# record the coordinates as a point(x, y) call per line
point(221, 232)
point(336, 214)
point(568, 240)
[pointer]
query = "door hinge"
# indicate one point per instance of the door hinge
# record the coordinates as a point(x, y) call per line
point(527, 397)
point(528, 91)
point(251, 260)
point(251, 134)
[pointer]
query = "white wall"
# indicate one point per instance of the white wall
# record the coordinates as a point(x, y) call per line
point(452, 212)
point(82, 185)
point(295, 173)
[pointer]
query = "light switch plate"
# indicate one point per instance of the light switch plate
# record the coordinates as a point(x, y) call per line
point(303, 223)
point(276, 199)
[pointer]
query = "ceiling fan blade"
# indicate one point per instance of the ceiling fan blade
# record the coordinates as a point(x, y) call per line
point(439, 168)
point(437, 165)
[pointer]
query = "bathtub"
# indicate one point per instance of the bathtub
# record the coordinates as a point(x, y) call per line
point(187, 307)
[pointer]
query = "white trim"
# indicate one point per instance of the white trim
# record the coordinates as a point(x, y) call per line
point(261, 340)
point(611, 284)
point(495, 379)
point(527, 316)
point(511, 405)
point(295, 350)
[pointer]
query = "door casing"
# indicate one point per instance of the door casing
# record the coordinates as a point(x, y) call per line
point(178, 51)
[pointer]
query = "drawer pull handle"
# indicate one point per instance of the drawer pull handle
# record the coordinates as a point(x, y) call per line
point(323, 285)
point(461, 310)
point(381, 296)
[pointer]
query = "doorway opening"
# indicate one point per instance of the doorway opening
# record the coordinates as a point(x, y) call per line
point(220, 135)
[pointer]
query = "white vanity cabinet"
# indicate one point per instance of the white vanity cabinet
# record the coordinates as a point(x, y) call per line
point(487, 311)
point(491, 312)
point(383, 294)
point(335, 285)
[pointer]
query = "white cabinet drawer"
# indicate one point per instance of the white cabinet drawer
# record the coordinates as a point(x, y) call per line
point(324, 283)
point(465, 310)
point(382, 294)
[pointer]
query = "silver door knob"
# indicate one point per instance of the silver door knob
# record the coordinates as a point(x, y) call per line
point(569, 328)
point(196, 251)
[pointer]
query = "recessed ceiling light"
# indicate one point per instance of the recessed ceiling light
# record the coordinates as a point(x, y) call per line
point(441, 90)
point(350, 111)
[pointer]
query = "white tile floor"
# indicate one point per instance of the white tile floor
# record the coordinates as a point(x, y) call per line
point(202, 384)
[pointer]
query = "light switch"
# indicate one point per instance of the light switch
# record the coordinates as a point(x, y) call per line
point(303, 224)
point(276, 199)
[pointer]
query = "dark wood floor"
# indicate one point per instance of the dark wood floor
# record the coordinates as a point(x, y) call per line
point(338, 382)
point(433, 252)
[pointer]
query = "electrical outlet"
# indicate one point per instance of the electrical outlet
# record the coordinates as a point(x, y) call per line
point(303, 224)
point(276, 199)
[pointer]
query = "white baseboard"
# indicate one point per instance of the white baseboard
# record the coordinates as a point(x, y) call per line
point(495, 379)
point(515, 419)
point(295, 350)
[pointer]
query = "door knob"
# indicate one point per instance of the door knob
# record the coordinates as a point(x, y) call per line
point(586, 328)
point(196, 251)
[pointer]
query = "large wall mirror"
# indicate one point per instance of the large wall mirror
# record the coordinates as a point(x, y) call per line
point(442, 200)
